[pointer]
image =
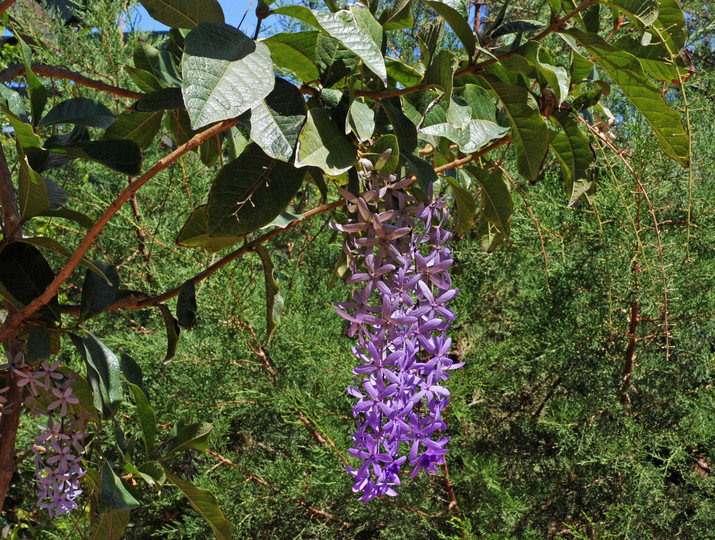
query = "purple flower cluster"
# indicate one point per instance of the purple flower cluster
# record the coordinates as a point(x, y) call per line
point(397, 255)
point(58, 448)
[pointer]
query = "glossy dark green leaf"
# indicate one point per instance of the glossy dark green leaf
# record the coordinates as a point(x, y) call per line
point(402, 126)
point(86, 112)
point(513, 27)
point(159, 63)
point(295, 51)
point(645, 96)
point(194, 233)
point(50, 244)
point(225, 73)
point(333, 60)
point(147, 419)
point(139, 127)
point(497, 206)
point(172, 332)
point(322, 145)
point(81, 219)
point(133, 372)
point(103, 373)
point(581, 67)
point(98, 292)
point(32, 194)
point(121, 155)
point(110, 524)
point(165, 99)
point(276, 121)
point(153, 470)
point(25, 274)
point(184, 13)
point(192, 437)
point(112, 493)
point(575, 155)
point(440, 72)
point(145, 80)
point(38, 344)
point(206, 504)
point(274, 300)
point(429, 37)
point(422, 170)
point(186, 305)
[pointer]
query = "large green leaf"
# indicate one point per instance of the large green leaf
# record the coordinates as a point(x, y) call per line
point(205, 504)
point(184, 13)
point(397, 15)
point(173, 330)
point(103, 373)
point(377, 153)
point(322, 145)
point(194, 233)
point(110, 524)
point(186, 305)
point(192, 437)
point(360, 120)
point(50, 244)
point(496, 202)
point(225, 73)
point(575, 155)
point(139, 127)
point(529, 132)
point(12, 101)
point(25, 274)
point(35, 88)
point(626, 71)
point(112, 493)
point(422, 170)
point(276, 121)
point(429, 37)
point(644, 11)
point(403, 73)
point(670, 25)
point(466, 207)
point(122, 155)
point(24, 133)
point(250, 192)
point(79, 218)
point(343, 27)
point(147, 419)
point(440, 72)
point(79, 111)
point(32, 191)
point(455, 13)
point(165, 99)
point(296, 52)
point(333, 60)
point(655, 59)
point(301, 13)
point(98, 292)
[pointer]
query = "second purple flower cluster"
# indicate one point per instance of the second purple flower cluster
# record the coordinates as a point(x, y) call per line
point(399, 263)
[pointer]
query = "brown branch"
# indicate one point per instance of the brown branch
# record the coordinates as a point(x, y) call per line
point(628, 368)
point(15, 70)
point(4, 6)
point(14, 321)
point(450, 488)
point(8, 200)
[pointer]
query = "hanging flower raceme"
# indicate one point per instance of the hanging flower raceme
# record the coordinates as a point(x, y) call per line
point(399, 264)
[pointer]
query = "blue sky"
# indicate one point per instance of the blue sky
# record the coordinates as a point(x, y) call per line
point(232, 9)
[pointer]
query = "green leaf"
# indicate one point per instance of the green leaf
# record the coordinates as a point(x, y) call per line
point(440, 72)
point(655, 59)
point(133, 372)
point(274, 300)
point(145, 81)
point(38, 344)
point(383, 144)
point(402, 126)
point(24, 133)
point(53, 245)
point(165, 99)
point(82, 111)
point(147, 419)
point(276, 121)
point(403, 73)
point(206, 504)
point(78, 217)
point(98, 292)
point(139, 127)
point(300, 13)
point(581, 67)
point(186, 305)
point(103, 373)
point(397, 15)
point(644, 11)
point(321, 144)
point(334, 61)
point(343, 27)
point(513, 27)
point(360, 120)
point(529, 132)
point(13, 101)
point(225, 73)
point(670, 25)
point(35, 88)
point(121, 155)
point(191, 437)
point(422, 170)
point(296, 52)
point(108, 525)
point(112, 493)
point(645, 96)
point(455, 14)
point(172, 332)
point(429, 37)
point(368, 24)
point(160, 64)
point(153, 470)
point(575, 155)
point(184, 13)
point(496, 202)
point(32, 190)
point(466, 214)
point(25, 274)
point(250, 192)
point(194, 233)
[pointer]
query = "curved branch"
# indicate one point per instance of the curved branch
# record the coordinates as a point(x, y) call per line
point(15, 70)
point(6, 4)
point(13, 322)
